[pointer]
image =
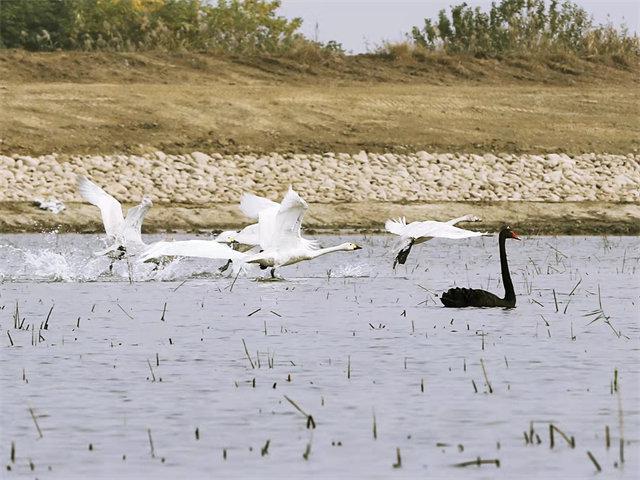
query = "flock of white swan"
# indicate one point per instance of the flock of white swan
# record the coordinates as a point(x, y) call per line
point(274, 241)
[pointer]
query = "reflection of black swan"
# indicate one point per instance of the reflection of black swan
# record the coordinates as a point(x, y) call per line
point(469, 297)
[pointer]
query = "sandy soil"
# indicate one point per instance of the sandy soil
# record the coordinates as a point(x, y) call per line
point(74, 102)
point(529, 218)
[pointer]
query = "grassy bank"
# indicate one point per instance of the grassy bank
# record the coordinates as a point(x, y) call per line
point(102, 102)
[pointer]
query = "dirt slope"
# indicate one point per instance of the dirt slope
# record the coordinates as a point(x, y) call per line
point(75, 102)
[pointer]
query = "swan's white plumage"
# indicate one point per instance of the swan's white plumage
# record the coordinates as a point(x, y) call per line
point(251, 205)
point(191, 248)
point(395, 226)
point(249, 235)
point(281, 229)
point(226, 236)
point(110, 208)
point(132, 226)
point(276, 236)
point(428, 229)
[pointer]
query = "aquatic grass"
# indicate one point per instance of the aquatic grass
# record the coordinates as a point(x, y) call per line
point(309, 418)
point(307, 452)
point(246, 351)
point(265, 449)
point(599, 314)
point(594, 461)
point(375, 427)
point(478, 462)
point(153, 376)
point(46, 322)
point(123, 311)
point(398, 463)
point(486, 378)
point(571, 441)
point(152, 450)
point(35, 422)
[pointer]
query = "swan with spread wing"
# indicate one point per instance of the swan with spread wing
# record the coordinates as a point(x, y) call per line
point(419, 232)
point(124, 233)
point(278, 237)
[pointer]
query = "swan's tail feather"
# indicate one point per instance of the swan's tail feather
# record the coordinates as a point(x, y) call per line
point(395, 226)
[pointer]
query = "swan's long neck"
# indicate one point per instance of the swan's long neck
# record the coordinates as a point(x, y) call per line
point(324, 251)
point(509, 294)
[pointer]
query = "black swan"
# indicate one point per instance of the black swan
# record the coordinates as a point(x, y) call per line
point(469, 297)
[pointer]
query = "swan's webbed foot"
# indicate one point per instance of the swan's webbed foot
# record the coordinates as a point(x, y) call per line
point(120, 252)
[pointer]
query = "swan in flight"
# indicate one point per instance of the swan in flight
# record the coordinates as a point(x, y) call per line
point(419, 232)
point(280, 242)
point(252, 206)
point(247, 239)
point(124, 233)
point(280, 236)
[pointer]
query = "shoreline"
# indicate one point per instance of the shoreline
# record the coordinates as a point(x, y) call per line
point(528, 218)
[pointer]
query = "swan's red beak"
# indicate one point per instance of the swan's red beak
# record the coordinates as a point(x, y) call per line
point(515, 236)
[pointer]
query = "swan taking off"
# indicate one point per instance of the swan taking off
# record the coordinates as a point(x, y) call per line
point(420, 232)
point(125, 233)
point(247, 239)
point(278, 236)
point(281, 239)
point(252, 206)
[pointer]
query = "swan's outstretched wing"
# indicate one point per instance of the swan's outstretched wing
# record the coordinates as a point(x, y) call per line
point(251, 205)
point(282, 230)
point(132, 227)
point(433, 229)
point(249, 235)
point(465, 218)
point(396, 226)
point(110, 208)
point(191, 248)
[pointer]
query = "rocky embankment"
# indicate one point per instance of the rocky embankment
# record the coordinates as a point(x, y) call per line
point(200, 178)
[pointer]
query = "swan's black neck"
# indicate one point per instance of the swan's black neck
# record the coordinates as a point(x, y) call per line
point(509, 294)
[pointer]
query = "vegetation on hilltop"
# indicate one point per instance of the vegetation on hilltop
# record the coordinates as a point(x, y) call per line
point(519, 27)
point(228, 26)
point(253, 27)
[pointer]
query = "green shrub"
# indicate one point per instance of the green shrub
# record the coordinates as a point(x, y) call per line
point(230, 26)
point(524, 26)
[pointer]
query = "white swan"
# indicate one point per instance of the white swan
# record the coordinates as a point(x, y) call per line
point(281, 239)
point(419, 232)
point(279, 236)
point(247, 239)
point(191, 248)
point(125, 233)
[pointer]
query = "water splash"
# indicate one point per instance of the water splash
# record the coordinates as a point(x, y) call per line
point(360, 270)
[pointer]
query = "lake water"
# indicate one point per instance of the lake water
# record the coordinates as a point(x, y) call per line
point(142, 355)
